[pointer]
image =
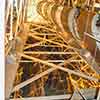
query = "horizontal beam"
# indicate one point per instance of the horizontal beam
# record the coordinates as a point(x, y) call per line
point(45, 52)
point(54, 61)
point(47, 61)
point(56, 97)
point(88, 93)
point(50, 34)
point(40, 45)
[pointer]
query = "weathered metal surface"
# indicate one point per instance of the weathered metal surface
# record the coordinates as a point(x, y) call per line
point(11, 69)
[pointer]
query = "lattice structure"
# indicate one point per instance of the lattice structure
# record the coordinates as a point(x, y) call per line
point(49, 66)
point(40, 64)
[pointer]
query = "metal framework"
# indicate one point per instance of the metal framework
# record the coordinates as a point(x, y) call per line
point(39, 47)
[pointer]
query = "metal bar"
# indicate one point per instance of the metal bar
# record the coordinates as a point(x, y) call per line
point(98, 97)
point(46, 60)
point(36, 77)
point(84, 59)
point(56, 97)
point(7, 50)
point(59, 67)
point(45, 52)
point(54, 61)
point(91, 36)
point(37, 44)
point(41, 75)
point(32, 45)
point(52, 30)
point(50, 34)
point(88, 93)
point(47, 45)
point(11, 21)
point(62, 45)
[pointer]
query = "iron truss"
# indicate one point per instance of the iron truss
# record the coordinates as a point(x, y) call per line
point(46, 54)
point(41, 65)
